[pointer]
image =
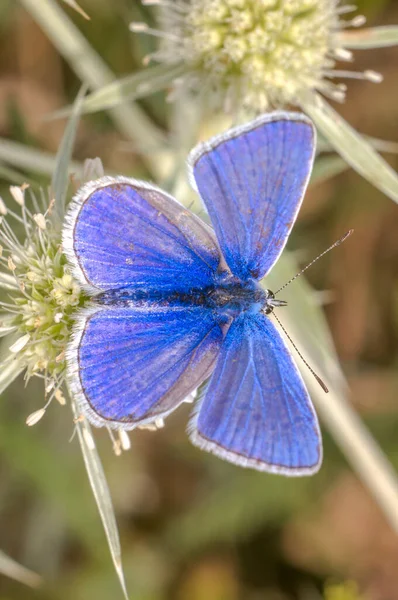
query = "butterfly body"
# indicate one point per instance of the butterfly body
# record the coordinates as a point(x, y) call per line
point(226, 298)
point(176, 302)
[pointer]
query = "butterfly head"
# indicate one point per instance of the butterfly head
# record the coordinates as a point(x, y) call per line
point(271, 302)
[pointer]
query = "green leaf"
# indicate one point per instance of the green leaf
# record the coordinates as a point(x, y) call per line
point(14, 570)
point(351, 145)
point(77, 8)
point(60, 179)
point(132, 87)
point(101, 493)
point(326, 167)
point(11, 175)
point(323, 145)
point(31, 159)
point(372, 37)
point(89, 66)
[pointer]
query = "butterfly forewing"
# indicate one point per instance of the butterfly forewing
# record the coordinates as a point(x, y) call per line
point(252, 180)
point(124, 233)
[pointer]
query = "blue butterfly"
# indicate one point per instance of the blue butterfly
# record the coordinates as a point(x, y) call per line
point(176, 302)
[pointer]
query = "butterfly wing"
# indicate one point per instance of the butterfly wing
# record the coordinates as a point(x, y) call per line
point(128, 366)
point(121, 233)
point(252, 180)
point(256, 411)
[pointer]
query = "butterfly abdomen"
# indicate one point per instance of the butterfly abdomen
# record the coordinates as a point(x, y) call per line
point(153, 298)
point(227, 299)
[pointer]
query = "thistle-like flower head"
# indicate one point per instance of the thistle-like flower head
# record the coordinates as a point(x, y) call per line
point(39, 294)
point(257, 53)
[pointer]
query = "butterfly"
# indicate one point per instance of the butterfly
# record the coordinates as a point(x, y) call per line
point(176, 302)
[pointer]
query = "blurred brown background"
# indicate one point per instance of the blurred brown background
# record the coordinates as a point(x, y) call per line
point(192, 527)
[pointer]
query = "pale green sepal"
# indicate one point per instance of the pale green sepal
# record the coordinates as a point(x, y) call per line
point(101, 493)
point(351, 145)
point(372, 37)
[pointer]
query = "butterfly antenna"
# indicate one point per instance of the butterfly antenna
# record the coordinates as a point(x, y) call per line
point(319, 380)
point(340, 241)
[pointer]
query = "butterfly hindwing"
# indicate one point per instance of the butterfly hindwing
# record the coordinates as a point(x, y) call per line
point(252, 180)
point(132, 365)
point(121, 232)
point(256, 411)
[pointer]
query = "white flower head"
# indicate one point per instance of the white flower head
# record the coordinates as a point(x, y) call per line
point(257, 53)
point(37, 310)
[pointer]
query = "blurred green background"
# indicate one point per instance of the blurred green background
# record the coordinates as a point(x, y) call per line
point(191, 526)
